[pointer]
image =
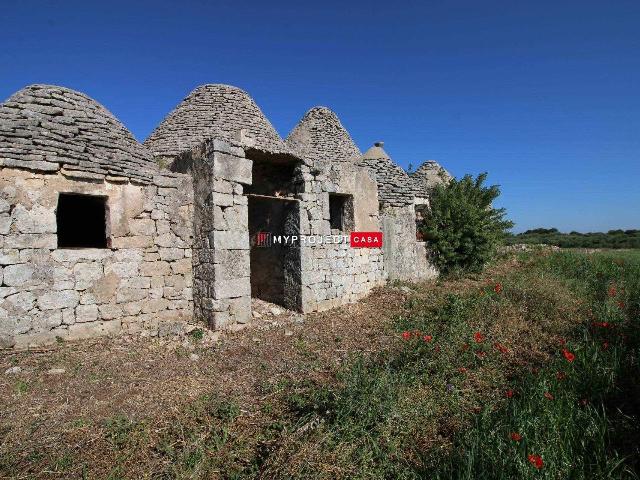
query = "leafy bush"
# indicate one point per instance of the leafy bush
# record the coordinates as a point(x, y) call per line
point(462, 227)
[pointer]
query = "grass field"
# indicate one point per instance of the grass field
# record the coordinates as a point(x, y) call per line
point(529, 370)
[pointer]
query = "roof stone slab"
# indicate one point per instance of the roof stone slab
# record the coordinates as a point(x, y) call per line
point(219, 112)
point(48, 128)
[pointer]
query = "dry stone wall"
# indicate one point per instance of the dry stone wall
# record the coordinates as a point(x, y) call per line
point(222, 287)
point(334, 274)
point(142, 284)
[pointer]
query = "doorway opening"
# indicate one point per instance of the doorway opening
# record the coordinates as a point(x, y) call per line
point(275, 256)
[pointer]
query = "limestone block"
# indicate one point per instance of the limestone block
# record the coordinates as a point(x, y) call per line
point(136, 282)
point(220, 199)
point(132, 308)
point(81, 331)
point(58, 299)
point(150, 269)
point(47, 320)
point(86, 274)
point(138, 241)
point(238, 287)
point(68, 316)
point(163, 226)
point(7, 341)
point(86, 313)
point(6, 291)
point(169, 254)
point(122, 269)
point(232, 168)
point(31, 240)
point(240, 309)
point(124, 295)
point(231, 264)
point(155, 305)
point(9, 256)
point(76, 255)
point(19, 303)
point(227, 240)
point(182, 266)
point(104, 289)
point(236, 217)
point(169, 240)
point(5, 224)
point(20, 275)
point(128, 255)
point(36, 220)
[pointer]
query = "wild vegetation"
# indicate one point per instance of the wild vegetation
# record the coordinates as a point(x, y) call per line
point(551, 236)
point(461, 227)
point(525, 371)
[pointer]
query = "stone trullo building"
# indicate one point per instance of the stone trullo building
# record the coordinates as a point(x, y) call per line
point(101, 234)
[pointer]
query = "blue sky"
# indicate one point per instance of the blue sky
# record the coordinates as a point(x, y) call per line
point(543, 95)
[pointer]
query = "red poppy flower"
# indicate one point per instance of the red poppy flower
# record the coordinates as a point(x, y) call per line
point(548, 396)
point(462, 370)
point(437, 349)
point(535, 460)
point(601, 324)
point(478, 337)
point(612, 291)
point(465, 347)
point(501, 348)
point(406, 335)
point(498, 288)
point(568, 355)
point(562, 342)
point(605, 345)
point(561, 375)
point(621, 305)
point(516, 437)
point(427, 338)
point(509, 393)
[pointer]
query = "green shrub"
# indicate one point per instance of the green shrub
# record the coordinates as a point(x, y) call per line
point(462, 227)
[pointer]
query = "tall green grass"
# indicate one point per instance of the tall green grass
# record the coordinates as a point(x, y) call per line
point(439, 408)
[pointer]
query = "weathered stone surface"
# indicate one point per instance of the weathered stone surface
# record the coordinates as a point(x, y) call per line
point(18, 275)
point(80, 135)
point(86, 313)
point(214, 111)
point(61, 299)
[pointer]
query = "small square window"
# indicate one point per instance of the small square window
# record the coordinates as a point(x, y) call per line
point(82, 221)
point(341, 212)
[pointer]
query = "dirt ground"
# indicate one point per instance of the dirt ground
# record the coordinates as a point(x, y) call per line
point(47, 395)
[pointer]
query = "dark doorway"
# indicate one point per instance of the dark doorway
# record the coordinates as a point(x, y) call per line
point(275, 261)
point(81, 221)
point(341, 212)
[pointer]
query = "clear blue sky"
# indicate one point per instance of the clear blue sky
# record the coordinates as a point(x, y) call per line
point(544, 95)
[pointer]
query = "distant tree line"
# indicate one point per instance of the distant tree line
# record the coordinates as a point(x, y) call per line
point(551, 236)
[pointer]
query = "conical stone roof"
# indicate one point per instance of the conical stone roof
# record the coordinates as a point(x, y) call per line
point(46, 127)
point(428, 175)
point(321, 137)
point(395, 187)
point(214, 111)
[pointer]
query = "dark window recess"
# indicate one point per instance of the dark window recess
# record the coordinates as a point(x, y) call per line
point(341, 212)
point(82, 221)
